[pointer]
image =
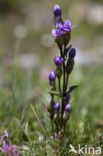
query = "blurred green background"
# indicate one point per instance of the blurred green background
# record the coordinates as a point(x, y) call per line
point(26, 58)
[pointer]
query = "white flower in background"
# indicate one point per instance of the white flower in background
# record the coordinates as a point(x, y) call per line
point(40, 138)
point(47, 40)
point(20, 31)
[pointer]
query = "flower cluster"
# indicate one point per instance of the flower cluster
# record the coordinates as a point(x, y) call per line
point(8, 149)
point(60, 111)
point(62, 29)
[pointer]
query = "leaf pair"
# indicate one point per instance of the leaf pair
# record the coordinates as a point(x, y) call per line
point(52, 92)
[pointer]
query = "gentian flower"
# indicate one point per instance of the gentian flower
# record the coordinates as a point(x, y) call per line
point(58, 60)
point(52, 77)
point(57, 11)
point(67, 25)
point(60, 113)
point(62, 28)
point(56, 32)
point(72, 53)
point(56, 107)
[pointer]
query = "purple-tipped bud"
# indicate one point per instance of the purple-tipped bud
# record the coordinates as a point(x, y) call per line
point(57, 11)
point(66, 112)
point(58, 60)
point(52, 77)
point(67, 108)
point(72, 53)
point(56, 107)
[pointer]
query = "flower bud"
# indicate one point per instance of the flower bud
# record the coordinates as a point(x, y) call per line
point(72, 53)
point(57, 11)
point(66, 99)
point(56, 107)
point(52, 77)
point(66, 112)
point(67, 108)
point(58, 61)
point(70, 61)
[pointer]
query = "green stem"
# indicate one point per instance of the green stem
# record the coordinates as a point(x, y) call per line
point(64, 87)
point(52, 122)
point(59, 84)
point(52, 127)
point(67, 81)
point(64, 78)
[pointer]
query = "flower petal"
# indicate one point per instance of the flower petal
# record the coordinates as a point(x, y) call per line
point(74, 26)
point(53, 32)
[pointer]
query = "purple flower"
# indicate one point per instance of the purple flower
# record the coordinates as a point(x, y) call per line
point(10, 150)
point(55, 135)
point(52, 137)
point(72, 53)
point(62, 28)
point(67, 25)
point(58, 60)
point(56, 107)
point(56, 32)
point(57, 11)
point(52, 77)
point(4, 147)
point(67, 108)
point(13, 151)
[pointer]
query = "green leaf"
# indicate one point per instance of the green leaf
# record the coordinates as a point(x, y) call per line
point(52, 92)
point(71, 89)
point(68, 49)
point(69, 66)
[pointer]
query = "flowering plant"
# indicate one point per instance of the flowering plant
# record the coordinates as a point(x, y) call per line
point(8, 149)
point(60, 112)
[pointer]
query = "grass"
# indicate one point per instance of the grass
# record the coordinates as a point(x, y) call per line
point(25, 121)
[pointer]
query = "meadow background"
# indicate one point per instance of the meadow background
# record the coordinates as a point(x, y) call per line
point(26, 58)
